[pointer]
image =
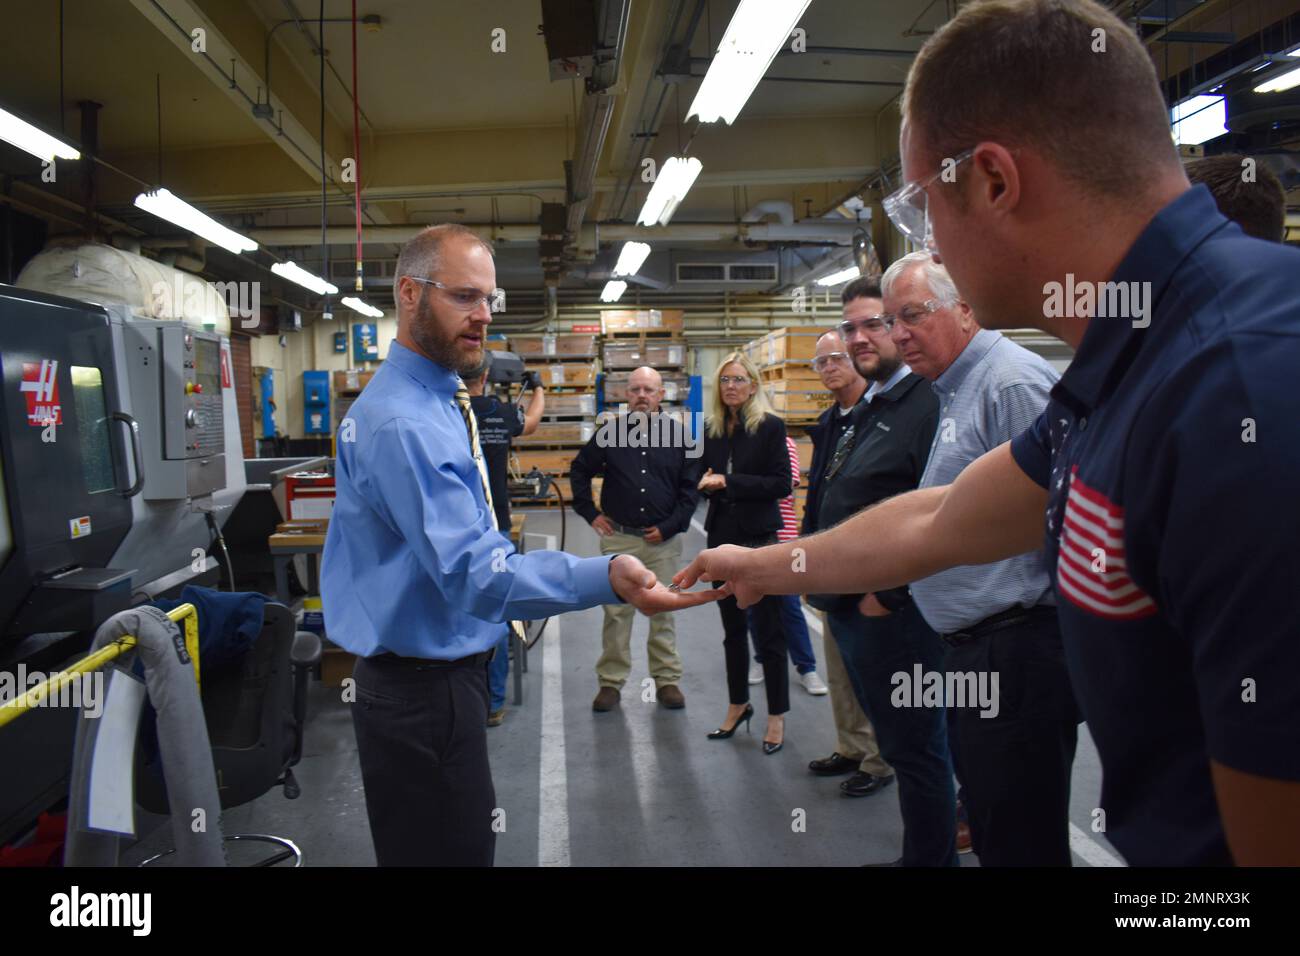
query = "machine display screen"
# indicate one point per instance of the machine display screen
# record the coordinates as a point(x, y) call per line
point(207, 366)
point(92, 428)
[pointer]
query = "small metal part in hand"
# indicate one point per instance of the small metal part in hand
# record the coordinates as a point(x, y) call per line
point(674, 587)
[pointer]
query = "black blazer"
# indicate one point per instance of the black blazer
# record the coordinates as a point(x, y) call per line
point(821, 457)
point(759, 478)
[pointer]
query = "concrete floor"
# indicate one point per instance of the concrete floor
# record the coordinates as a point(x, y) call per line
point(639, 786)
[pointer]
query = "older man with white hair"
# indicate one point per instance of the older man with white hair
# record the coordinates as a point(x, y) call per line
point(1013, 748)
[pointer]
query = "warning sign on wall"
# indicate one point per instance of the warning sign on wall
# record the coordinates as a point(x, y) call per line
point(40, 386)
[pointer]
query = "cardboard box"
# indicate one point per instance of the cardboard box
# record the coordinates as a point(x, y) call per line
point(636, 320)
point(351, 380)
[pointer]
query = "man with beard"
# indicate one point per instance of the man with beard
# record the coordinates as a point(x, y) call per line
point(416, 579)
point(646, 503)
point(880, 454)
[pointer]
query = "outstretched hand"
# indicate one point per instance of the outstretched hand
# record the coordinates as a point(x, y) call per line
point(725, 563)
point(637, 585)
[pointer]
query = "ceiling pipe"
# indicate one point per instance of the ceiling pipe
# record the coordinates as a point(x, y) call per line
point(781, 208)
point(836, 232)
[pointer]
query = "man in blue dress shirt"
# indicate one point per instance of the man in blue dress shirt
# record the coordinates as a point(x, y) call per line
point(1038, 160)
point(416, 580)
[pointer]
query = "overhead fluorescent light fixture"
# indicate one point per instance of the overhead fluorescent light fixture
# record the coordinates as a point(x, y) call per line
point(1199, 119)
point(18, 132)
point(613, 291)
point(177, 211)
point(674, 181)
point(631, 258)
point(295, 273)
point(758, 29)
point(839, 278)
point(1280, 84)
point(356, 305)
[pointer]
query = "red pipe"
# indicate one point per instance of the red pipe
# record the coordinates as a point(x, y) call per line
point(356, 140)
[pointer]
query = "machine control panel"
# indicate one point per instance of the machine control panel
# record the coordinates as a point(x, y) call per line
point(192, 398)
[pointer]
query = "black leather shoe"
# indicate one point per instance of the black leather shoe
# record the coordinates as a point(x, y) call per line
point(833, 766)
point(864, 784)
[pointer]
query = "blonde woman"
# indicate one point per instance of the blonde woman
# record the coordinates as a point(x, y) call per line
point(747, 473)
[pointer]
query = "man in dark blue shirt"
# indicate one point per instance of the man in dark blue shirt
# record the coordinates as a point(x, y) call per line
point(498, 423)
point(650, 468)
point(1166, 464)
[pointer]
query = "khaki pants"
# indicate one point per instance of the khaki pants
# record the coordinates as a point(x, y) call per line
point(855, 737)
point(616, 637)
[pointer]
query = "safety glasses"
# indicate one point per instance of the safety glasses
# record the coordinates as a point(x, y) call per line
point(468, 299)
point(908, 208)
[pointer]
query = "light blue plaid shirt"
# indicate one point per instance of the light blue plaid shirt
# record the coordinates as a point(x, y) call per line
point(993, 390)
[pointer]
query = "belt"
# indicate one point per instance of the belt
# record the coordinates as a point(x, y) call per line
point(624, 529)
point(997, 622)
point(427, 663)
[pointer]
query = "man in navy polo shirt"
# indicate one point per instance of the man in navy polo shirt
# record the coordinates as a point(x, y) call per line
point(1040, 171)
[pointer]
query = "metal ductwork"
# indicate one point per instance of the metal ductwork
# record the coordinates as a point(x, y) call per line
point(780, 208)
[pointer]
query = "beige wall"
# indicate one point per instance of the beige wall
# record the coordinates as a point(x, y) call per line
point(311, 349)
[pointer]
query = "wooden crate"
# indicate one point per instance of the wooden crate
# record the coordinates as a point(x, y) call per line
point(676, 387)
point(553, 462)
point(795, 371)
point(635, 320)
point(564, 404)
point(798, 403)
point(558, 345)
point(787, 344)
point(567, 375)
point(558, 433)
point(656, 354)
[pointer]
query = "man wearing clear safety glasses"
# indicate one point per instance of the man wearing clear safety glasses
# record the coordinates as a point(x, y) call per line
point(417, 580)
point(1036, 146)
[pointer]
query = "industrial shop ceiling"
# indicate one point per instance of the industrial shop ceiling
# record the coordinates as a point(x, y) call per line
point(460, 120)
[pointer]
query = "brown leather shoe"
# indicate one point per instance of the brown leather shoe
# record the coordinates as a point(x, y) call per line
point(607, 699)
point(670, 696)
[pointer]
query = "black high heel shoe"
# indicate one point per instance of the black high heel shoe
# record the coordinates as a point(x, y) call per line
point(770, 748)
point(721, 734)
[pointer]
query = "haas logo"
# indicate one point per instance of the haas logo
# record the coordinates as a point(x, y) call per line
point(40, 386)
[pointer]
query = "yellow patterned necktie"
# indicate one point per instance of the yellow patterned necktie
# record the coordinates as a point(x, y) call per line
point(471, 426)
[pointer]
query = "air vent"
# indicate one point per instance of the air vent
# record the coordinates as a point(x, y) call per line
point(701, 272)
point(759, 272)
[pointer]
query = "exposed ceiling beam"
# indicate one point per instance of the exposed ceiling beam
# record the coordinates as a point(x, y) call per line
point(235, 76)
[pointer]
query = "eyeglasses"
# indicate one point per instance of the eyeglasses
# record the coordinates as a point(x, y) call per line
point(821, 361)
point(468, 299)
point(908, 208)
point(733, 380)
point(911, 316)
point(639, 390)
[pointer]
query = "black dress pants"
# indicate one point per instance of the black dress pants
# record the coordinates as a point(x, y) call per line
point(769, 644)
point(422, 740)
point(1015, 767)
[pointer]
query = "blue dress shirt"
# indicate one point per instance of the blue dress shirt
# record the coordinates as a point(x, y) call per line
point(412, 564)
